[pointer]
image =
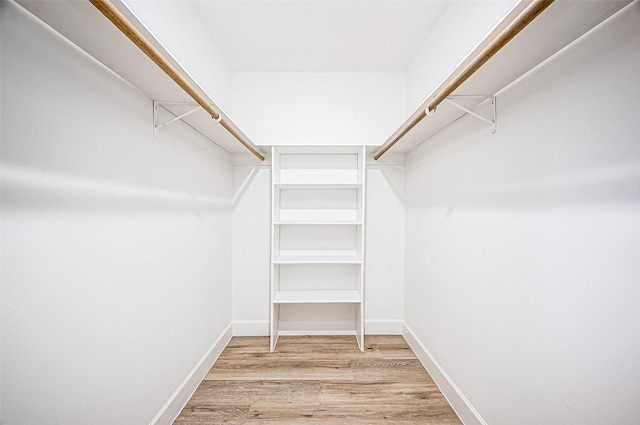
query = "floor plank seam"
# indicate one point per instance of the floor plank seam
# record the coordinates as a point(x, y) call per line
point(316, 380)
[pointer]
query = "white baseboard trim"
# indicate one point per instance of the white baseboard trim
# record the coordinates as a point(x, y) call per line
point(460, 404)
point(303, 332)
point(383, 327)
point(251, 328)
point(172, 408)
point(371, 327)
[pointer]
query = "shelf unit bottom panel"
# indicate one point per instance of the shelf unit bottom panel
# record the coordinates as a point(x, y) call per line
point(317, 259)
point(317, 297)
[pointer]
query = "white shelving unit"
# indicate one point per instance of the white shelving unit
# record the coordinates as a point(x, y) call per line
point(317, 241)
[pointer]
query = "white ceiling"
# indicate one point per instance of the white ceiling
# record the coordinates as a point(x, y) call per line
point(320, 35)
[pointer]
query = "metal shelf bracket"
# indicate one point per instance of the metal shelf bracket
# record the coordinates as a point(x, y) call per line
point(157, 126)
point(492, 120)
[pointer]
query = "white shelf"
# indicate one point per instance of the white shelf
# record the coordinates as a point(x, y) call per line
point(317, 203)
point(93, 33)
point(555, 28)
point(318, 223)
point(326, 216)
point(317, 297)
point(316, 258)
point(317, 185)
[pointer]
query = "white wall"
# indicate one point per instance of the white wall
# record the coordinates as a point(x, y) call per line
point(522, 247)
point(459, 31)
point(384, 250)
point(318, 108)
point(116, 275)
point(178, 27)
point(251, 257)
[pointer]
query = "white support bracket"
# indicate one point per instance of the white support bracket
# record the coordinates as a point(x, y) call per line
point(492, 98)
point(157, 126)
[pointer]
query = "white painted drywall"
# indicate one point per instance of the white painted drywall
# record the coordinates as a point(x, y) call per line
point(251, 257)
point(116, 245)
point(318, 108)
point(522, 271)
point(384, 250)
point(461, 28)
point(177, 25)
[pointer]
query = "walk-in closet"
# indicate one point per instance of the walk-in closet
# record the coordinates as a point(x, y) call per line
point(320, 212)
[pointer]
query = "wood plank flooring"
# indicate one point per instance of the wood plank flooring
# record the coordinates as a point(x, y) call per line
point(318, 380)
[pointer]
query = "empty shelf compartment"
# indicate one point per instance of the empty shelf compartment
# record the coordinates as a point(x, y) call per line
point(313, 297)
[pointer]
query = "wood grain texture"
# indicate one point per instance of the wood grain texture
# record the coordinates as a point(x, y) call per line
point(318, 380)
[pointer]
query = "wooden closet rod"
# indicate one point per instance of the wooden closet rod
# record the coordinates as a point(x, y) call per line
point(521, 16)
point(120, 21)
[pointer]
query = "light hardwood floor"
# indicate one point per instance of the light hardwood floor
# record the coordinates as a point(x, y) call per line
point(318, 380)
